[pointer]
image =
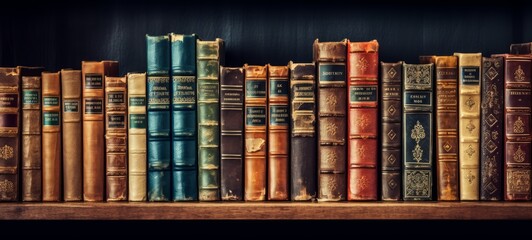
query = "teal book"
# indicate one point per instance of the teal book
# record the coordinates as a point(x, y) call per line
point(159, 137)
point(184, 158)
point(210, 55)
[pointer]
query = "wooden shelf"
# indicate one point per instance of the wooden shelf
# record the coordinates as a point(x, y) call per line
point(266, 211)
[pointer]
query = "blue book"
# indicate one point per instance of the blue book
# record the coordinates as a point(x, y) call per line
point(158, 95)
point(184, 159)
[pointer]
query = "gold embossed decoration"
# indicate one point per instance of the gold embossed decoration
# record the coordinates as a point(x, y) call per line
point(362, 121)
point(416, 75)
point(362, 64)
point(417, 184)
point(470, 177)
point(519, 155)
point(470, 103)
point(447, 146)
point(519, 74)
point(492, 176)
point(470, 151)
point(361, 151)
point(208, 134)
point(331, 157)
point(7, 186)
point(6, 152)
point(392, 110)
point(363, 183)
point(332, 184)
point(418, 133)
point(391, 134)
point(331, 100)
point(391, 159)
point(331, 129)
point(519, 126)
point(392, 72)
point(470, 126)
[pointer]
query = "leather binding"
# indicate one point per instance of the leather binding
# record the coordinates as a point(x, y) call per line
point(9, 134)
point(159, 125)
point(72, 135)
point(278, 133)
point(521, 48)
point(184, 158)
point(492, 123)
point(255, 132)
point(93, 74)
point(391, 132)
point(447, 128)
point(136, 90)
point(330, 58)
point(469, 65)
point(51, 136)
point(417, 131)
point(210, 55)
point(303, 162)
point(232, 133)
point(31, 133)
point(362, 71)
point(517, 166)
point(116, 138)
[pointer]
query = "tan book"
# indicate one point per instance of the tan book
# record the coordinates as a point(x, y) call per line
point(72, 135)
point(93, 127)
point(51, 136)
point(136, 90)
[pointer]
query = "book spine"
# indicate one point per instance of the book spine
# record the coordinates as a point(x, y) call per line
point(303, 161)
point(278, 133)
point(492, 121)
point(417, 131)
point(469, 65)
point(116, 138)
point(209, 58)
point(9, 134)
point(72, 135)
point(332, 125)
point(255, 133)
point(158, 108)
point(517, 103)
point(391, 132)
point(51, 136)
point(137, 122)
point(232, 133)
point(184, 159)
point(447, 127)
point(362, 128)
point(31, 139)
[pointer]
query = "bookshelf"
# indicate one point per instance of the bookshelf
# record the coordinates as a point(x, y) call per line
point(269, 211)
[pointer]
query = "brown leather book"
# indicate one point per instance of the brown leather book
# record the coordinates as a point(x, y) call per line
point(116, 138)
point(51, 136)
point(332, 101)
point(9, 134)
point(362, 62)
point(232, 133)
point(137, 161)
point(72, 135)
point(278, 134)
point(31, 133)
point(391, 131)
point(93, 127)
point(521, 48)
point(518, 137)
point(447, 127)
point(255, 133)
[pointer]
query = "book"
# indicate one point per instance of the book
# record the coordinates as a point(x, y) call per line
point(330, 58)
point(362, 72)
point(232, 133)
point(256, 139)
point(184, 134)
point(391, 131)
point(158, 94)
point(470, 70)
point(93, 74)
point(51, 136)
point(137, 122)
point(31, 133)
point(303, 162)
point(417, 133)
point(9, 134)
point(521, 48)
point(116, 138)
point(210, 55)
point(278, 132)
point(72, 135)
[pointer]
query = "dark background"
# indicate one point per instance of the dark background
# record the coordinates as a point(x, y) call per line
point(60, 34)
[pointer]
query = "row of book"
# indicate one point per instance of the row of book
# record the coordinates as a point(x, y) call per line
point(192, 129)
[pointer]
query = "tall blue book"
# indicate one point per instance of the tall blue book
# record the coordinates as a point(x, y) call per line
point(159, 137)
point(184, 159)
